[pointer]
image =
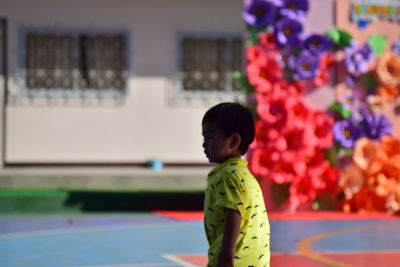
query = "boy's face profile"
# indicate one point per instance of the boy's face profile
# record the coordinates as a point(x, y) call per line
point(218, 147)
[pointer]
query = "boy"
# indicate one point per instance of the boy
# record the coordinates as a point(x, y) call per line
point(235, 218)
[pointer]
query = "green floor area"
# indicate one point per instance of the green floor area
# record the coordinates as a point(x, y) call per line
point(51, 201)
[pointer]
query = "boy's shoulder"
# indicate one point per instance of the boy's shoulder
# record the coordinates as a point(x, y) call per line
point(235, 169)
point(230, 167)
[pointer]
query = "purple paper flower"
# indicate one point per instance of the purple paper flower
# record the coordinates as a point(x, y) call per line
point(348, 100)
point(288, 32)
point(374, 126)
point(304, 66)
point(259, 13)
point(294, 9)
point(318, 44)
point(346, 133)
point(358, 112)
point(396, 47)
point(357, 59)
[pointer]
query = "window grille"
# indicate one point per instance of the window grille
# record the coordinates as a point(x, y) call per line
point(49, 61)
point(207, 63)
point(100, 62)
point(75, 62)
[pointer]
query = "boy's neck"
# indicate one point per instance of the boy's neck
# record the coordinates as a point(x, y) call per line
point(239, 156)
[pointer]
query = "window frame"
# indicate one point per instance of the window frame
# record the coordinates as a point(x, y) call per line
point(180, 92)
point(75, 91)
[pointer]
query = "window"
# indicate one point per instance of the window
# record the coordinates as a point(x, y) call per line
point(74, 62)
point(207, 64)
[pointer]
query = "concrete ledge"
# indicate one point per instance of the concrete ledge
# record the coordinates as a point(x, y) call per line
point(107, 178)
point(56, 201)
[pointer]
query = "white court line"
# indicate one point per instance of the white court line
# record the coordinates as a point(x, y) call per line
point(179, 261)
point(130, 265)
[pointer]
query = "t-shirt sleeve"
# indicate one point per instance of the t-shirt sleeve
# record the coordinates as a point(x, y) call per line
point(229, 193)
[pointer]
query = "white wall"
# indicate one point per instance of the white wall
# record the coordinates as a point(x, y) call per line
point(147, 124)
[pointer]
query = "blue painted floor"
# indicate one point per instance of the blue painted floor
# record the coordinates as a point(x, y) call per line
point(144, 239)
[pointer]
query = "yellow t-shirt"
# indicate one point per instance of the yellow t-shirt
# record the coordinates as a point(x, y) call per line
point(231, 185)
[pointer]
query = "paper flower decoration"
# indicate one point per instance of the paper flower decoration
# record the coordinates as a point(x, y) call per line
point(388, 69)
point(288, 32)
point(318, 44)
point(301, 191)
point(303, 151)
point(366, 155)
point(259, 13)
point(374, 126)
point(346, 133)
point(295, 9)
point(357, 59)
point(269, 163)
point(304, 66)
point(396, 47)
point(322, 129)
point(371, 182)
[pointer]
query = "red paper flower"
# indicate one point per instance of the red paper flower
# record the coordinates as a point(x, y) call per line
point(328, 181)
point(301, 113)
point(267, 136)
point(262, 66)
point(274, 110)
point(301, 191)
point(268, 163)
point(321, 78)
point(267, 40)
point(322, 126)
point(256, 54)
point(316, 164)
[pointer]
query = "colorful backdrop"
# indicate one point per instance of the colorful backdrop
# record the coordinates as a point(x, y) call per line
point(345, 156)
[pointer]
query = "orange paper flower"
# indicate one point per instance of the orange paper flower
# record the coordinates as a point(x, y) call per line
point(388, 69)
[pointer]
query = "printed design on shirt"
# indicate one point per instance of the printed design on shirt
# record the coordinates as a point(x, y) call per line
point(230, 186)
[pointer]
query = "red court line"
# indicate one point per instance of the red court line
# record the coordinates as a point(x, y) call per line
point(303, 215)
point(374, 259)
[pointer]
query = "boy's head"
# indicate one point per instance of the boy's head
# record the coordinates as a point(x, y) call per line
point(228, 130)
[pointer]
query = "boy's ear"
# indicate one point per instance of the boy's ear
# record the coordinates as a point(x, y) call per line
point(236, 139)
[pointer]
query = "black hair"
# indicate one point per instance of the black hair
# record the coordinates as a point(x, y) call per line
point(233, 118)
